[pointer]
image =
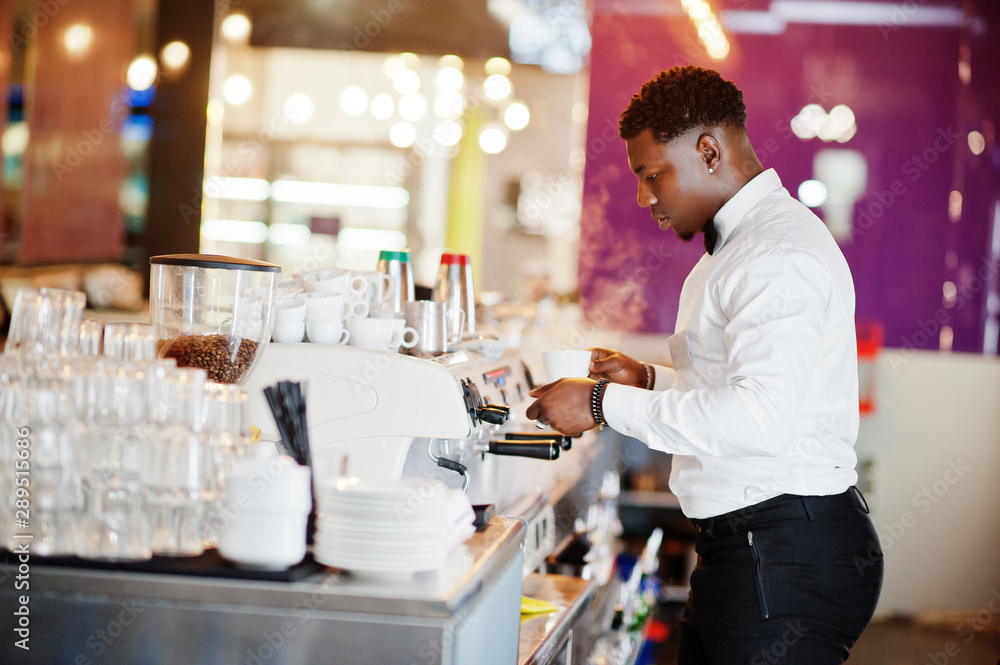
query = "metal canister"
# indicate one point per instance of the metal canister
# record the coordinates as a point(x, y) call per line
point(396, 264)
point(454, 286)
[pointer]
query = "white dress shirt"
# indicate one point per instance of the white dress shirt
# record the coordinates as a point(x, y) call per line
point(763, 396)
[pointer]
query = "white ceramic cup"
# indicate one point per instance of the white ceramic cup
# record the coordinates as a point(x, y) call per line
point(376, 287)
point(289, 332)
point(563, 363)
point(381, 334)
point(332, 280)
point(328, 332)
point(290, 309)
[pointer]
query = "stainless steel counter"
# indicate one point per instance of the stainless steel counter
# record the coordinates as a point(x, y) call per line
point(547, 638)
point(468, 612)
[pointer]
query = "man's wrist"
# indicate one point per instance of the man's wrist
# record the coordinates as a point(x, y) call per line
point(596, 401)
point(647, 379)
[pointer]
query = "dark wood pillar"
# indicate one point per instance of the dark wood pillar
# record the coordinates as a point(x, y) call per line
point(177, 151)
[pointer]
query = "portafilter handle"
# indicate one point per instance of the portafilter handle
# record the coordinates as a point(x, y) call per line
point(493, 414)
point(536, 449)
point(565, 442)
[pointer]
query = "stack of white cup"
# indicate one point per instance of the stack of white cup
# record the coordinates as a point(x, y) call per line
point(317, 305)
point(339, 306)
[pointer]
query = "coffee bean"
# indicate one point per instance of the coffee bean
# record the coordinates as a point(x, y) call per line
point(218, 355)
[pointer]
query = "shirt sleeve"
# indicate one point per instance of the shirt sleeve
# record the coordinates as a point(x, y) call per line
point(663, 377)
point(775, 307)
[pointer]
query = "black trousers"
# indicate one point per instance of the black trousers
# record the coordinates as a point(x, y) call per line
point(794, 579)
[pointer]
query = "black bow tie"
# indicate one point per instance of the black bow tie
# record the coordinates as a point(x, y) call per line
point(711, 237)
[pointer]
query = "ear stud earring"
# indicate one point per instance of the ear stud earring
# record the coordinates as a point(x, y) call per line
point(711, 170)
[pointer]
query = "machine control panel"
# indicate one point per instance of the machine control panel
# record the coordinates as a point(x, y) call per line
point(491, 387)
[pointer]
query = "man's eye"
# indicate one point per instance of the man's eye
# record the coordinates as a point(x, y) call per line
point(652, 176)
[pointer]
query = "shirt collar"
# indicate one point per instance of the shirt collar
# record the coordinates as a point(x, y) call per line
point(735, 209)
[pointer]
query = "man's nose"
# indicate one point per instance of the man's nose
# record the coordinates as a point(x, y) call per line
point(646, 197)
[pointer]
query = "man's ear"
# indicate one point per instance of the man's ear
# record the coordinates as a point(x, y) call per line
point(710, 151)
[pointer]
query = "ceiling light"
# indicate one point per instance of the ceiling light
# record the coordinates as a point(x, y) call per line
point(955, 205)
point(402, 134)
point(812, 193)
point(299, 108)
point(492, 140)
point(78, 38)
point(335, 194)
point(413, 107)
point(499, 66)
point(451, 61)
point(847, 134)
point(448, 132)
point(393, 65)
point(141, 73)
point(406, 81)
point(237, 189)
point(516, 115)
point(353, 100)
point(236, 28)
point(175, 56)
point(450, 78)
point(718, 50)
point(383, 106)
point(237, 89)
point(842, 117)
point(411, 60)
point(15, 139)
point(497, 87)
point(977, 142)
point(449, 105)
point(232, 230)
point(699, 11)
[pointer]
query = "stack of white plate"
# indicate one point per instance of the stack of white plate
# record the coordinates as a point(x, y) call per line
point(389, 526)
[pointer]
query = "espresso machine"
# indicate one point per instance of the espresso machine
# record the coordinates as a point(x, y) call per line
point(458, 417)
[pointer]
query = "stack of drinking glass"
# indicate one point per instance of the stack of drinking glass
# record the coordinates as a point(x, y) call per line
point(119, 456)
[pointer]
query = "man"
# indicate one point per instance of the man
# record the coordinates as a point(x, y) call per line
point(760, 406)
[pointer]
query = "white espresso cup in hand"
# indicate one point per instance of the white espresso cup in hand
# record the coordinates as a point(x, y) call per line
point(564, 363)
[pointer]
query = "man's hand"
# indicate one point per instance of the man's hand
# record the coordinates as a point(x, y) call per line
point(616, 367)
point(564, 405)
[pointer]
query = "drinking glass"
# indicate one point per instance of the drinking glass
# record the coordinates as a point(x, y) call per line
point(91, 334)
point(227, 441)
point(45, 322)
point(173, 461)
point(130, 341)
point(118, 432)
point(56, 505)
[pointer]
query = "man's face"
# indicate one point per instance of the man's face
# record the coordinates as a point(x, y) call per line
point(674, 182)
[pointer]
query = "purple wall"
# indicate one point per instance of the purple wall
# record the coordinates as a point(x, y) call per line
point(909, 103)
